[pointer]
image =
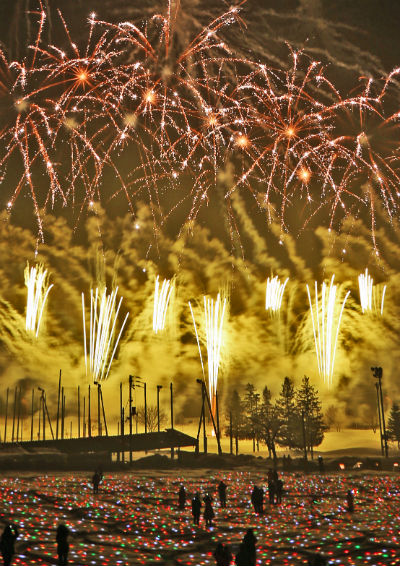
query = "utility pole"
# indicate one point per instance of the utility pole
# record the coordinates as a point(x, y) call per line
point(158, 407)
point(130, 417)
point(378, 373)
point(58, 403)
point(378, 404)
point(5, 422)
point(145, 407)
point(79, 412)
point(171, 389)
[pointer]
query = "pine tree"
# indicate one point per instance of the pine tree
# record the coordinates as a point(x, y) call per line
point(308, 408)
point(269, 421)
point(393, 426)
point(288, 434)
point(251, 401)
point(235, 413)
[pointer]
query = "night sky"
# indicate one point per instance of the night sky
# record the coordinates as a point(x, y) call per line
point(106, 245)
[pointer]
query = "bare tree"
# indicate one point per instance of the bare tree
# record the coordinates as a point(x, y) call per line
point(152, 417)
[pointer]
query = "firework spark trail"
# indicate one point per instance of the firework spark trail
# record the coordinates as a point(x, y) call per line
point(103, 341)
point(186, 109)
point(274, 294)
point(161, 301)
point(369, 293)
point(38, 288)
point(326, 316)
point(213, 317)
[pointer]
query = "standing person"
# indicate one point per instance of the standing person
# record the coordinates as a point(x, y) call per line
point(96, 479)
point(279, 491)
point(222, 493)
point(271, 486)
point(7, 541)
point(246, 555)
point(260, 501)
point(254, 498)
point(182, 497)
point(196, 509)
point(222, 554)
point(208, 510)
point(350, 501)
point(62, 544)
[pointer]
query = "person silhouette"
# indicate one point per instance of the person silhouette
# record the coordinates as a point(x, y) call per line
point(208, 510)
point(62, 544)
point(246, 555)
point(350, 501)
point(222, 554)
point(7, 541)
point(182, 497)
point(96, 479)
point(222, 493)
point(196, 509)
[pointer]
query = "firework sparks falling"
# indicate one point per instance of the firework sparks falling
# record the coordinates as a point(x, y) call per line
point(38, 288)
point(369, 293)
point(162, 295)
point(186, 108)
point(103, 341)
point(326, 315)
point(274, 294)
point(212, 330)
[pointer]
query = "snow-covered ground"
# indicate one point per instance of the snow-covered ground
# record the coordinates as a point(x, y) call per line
point(135, 518)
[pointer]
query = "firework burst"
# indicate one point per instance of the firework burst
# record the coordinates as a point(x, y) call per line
point(184, 109)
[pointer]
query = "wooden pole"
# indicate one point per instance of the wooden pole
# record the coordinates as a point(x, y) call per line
point(32, 409)
point(58, 403)
point(14, 408)
point(79, 412)
point(5, 421)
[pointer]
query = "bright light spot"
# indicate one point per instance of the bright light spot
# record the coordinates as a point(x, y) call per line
point(304, 175)
point(150, 97)
point(82, 76)
point(290, 132)
point(242, 141)
point(212, 120)
point(137, 226)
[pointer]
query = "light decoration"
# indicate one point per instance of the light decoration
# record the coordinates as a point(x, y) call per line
point(326, 315)
point(369, 293)
point(213, 318)
point(103, 341)
point(274, 294)
point(162, 295)
point(38, 288)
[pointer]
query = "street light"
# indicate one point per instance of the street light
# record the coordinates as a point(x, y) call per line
point(377, 373)
point(158, 407)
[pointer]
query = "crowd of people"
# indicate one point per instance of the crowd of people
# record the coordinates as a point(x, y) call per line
point(246, 553)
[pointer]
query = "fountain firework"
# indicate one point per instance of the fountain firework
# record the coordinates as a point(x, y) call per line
point(369, 293)
point(162, 295)
point(103, 341)
point(212, 330)
point(326, 315)
point(38, 288)
point(274, 294)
